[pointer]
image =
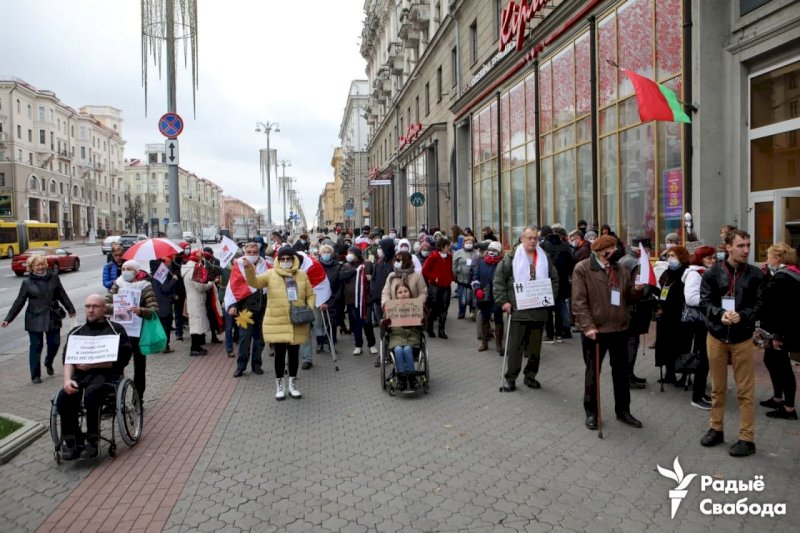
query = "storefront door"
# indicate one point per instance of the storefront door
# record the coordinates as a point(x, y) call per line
point(774, 217)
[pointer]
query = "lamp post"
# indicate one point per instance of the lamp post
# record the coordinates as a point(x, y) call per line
point(284, 163)
point(266, 128)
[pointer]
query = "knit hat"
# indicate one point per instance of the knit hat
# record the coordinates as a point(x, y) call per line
point(355, 250)
point(590, 235)
point(132, 264)
point(495, 246)
point(286, 251)
point(603, 242)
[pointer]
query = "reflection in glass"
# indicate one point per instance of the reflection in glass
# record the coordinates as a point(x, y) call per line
point(637, 165)
point(775, 162)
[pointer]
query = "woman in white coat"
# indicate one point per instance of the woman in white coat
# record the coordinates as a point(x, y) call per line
point(196, 304)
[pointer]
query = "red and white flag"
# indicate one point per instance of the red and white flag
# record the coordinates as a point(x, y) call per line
point(316, 275)
point(238, 289)
point(227, 250)
point(646, 274)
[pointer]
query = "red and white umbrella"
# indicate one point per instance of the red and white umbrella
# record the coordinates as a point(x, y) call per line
point(149, 249)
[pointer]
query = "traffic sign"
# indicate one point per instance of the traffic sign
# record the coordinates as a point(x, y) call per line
point(417, 199)
point(170, 125)
point(171, 147)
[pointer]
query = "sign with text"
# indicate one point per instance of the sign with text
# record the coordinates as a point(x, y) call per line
point(534, 294)
point(161, 273)
point(124, 301)
point(404, 313)
point(228, 249)
point(84, 350)
point(692, 246)
point(673, 193)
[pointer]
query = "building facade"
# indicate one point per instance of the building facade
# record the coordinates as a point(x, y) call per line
point(58, 164)
point(333, 208)
point(353, 140)
point(542, 126)
point(146, 196)
point(235, 211)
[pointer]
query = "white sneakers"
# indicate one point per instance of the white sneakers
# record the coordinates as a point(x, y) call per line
point(280, 393)
point(294, 392)
point(357, 351)
point(373, 350)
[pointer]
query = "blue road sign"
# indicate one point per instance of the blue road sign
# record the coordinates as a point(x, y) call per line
point(170, 125)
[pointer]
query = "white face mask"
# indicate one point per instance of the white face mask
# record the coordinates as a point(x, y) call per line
point(252, 259)
point(674, 264)
point(393, 235)
point(313, 250)
point(350, 258)
point(286, 265)
point(380, 252)
point(128, 275)
point(425, 253)
point(398, 266)
point(416, 247)
point(302, 241)
point(468, 247)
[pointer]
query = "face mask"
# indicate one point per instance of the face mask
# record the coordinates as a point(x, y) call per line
point(670, 245)
point(272, 242)
point(252, 259)
point(398, 266)
point(380, 252)
point(393, 235)
point(574, 244)
point(128, 275)
point(302, 241)
point(674, 264)
point(286, 265)
point(350, 258)
point(443, 255)
point(720, 256)
point(325, 258)
point(313, 250)
point(468, 247)
point(425, 253)
point(416, 247)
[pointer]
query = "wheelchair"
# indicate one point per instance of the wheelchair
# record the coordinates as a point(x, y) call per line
point(389, 378)
point(122, 407)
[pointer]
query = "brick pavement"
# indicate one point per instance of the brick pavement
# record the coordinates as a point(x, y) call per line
point(348, 457)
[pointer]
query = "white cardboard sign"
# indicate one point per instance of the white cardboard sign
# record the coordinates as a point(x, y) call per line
point(83, 350)
point(123, 301)
point(161, 273)
point(534, 294)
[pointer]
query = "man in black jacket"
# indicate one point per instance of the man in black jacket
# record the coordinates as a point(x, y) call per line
point(96, 379)
point(730, 299)
point(557, 325)
point(383, 267)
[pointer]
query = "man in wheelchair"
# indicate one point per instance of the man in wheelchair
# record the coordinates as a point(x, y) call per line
point(95, 382)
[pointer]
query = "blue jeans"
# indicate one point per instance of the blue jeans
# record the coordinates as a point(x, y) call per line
point(404, 359)
point(464, 295)
point(251, 343)
point(229, 325)
point(37, 339)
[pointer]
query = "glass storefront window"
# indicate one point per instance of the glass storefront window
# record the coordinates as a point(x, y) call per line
point(545, 98)
point(635, 41)
point(763, 238)
point(670, 183)
point(564, 97)
point(609, 188)
point(669, 38)
point(583, 81)
point(518, 115)
point(775, 96)
point(547, 190)
point(564, 189)
point(637, 184)
point(416, 178)
point(775, 161)
point(607, 49)
point(584, 183)
point(517, 214)
point(533, 201)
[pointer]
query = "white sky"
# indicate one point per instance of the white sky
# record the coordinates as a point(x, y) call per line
point(285, 61)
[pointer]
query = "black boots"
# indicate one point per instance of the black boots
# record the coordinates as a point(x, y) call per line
point(442, 334)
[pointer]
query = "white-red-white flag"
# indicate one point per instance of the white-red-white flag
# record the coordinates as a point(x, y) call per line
point(237, 288)
point(646, 274)
point(316, 275)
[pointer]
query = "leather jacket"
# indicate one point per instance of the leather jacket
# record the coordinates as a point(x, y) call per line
point(746, 290)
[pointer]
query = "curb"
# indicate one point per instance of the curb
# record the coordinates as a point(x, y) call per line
point(18, 440)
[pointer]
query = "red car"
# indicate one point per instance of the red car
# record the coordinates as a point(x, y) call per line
point(58, 260)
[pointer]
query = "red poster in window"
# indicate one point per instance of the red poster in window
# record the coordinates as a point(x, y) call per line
point(583, 72)
point(668, 37)
point(517, 105)
point(673, 193)
point(545, 98)
point(635, 41)
point(607, 50)
point(564, 87)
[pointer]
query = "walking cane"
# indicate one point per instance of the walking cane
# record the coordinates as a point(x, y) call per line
point(505, 353)
point(328, 325)
point(597, 387)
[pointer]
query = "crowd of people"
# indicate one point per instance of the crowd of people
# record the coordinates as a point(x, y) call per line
point(708, 305)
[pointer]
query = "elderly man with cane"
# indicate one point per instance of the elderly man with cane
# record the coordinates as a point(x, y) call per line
point(600, 292)
point(527, 264)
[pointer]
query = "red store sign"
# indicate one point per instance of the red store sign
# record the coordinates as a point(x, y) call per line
point(412, 134)
point(515, 18)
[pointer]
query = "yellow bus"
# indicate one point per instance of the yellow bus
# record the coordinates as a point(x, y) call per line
point(16, 237)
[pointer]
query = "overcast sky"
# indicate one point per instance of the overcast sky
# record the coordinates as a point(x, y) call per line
point(285, 61)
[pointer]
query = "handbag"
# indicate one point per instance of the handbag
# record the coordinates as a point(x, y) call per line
point(301, 314)
point(200, 273)
point(57, 310)
point(152, 339)
point(687, 363)
point(691, 314)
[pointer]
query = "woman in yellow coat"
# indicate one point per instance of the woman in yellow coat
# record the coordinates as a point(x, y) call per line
point(286, 285)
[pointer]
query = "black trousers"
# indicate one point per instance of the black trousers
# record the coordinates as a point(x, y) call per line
point(139, 367)
point(180, 320)
point(440, 304)
point(94, 389)
point(616, 344)
point(779, 366)
point(280, 359)
point(166, 323)
point(699, 332)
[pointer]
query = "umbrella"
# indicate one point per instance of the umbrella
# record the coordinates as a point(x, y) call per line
point(149, 249)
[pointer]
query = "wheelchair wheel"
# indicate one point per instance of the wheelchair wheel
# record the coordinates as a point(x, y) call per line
point(383, 363)
point(423, 367)
point(55, 425)
point(129, 416)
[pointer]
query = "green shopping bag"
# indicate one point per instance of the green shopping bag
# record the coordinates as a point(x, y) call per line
point(153, 339)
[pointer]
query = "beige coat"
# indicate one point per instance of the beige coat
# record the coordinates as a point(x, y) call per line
point(195, 300)
point(277, 325)
point(419, 289)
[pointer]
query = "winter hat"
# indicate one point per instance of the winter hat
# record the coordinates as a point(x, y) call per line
point(132, 264)
point(387, 245)
point(355, 250)
point(286, 251)
point(495, 246)
point(590, 235)
point(603, 242)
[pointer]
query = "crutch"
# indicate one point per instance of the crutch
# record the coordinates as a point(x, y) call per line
point(505, 352)
point(597, 388)
point(328, 325)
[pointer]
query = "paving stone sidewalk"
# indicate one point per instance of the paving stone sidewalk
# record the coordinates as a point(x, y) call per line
point(348, 457)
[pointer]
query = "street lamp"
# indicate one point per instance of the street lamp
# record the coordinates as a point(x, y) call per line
point(284, 163)
point(266, 128)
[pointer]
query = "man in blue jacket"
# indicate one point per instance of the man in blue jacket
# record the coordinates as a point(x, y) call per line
point(113, 269)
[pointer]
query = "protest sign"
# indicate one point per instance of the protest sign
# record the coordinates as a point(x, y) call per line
point(161, 273)
point(534, 294)
point(404, 313)
point(83, 350)
point(124, 300)
point(227, 250)
point(692, 246)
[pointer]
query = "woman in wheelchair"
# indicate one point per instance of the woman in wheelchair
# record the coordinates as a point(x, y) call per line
point(403, 341)
point(95, 382)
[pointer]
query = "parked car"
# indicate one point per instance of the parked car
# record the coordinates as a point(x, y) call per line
point(58, 260)
point(189, 237)
point(107, 242)
point(129, 240)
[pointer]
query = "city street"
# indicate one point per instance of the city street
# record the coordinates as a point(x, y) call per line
point(220, 454)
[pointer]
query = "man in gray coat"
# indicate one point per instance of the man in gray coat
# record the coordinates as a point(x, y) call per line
point(526, 262)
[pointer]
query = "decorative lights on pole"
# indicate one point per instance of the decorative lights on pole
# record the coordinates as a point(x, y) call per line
point(266, 163)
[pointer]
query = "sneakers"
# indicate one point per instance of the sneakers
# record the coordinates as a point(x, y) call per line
point(742, 448)
point(771, 403)
point(634, 384)
point(373, 350)
point(280, 392)
point(549, 340)
point(294, 392)
point(357, 350)
point(201, 351)
point(781, 412)
point(306, 365)
point(712, 438)
point(702, 403)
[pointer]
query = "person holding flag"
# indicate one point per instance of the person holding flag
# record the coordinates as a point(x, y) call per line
point(248, 305)
point(322, 291)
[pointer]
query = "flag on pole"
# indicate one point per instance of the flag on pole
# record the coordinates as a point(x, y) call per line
point(656, 102)
point(646, 274)
point(228, 249)
point(238, 289)
point(317, 277)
